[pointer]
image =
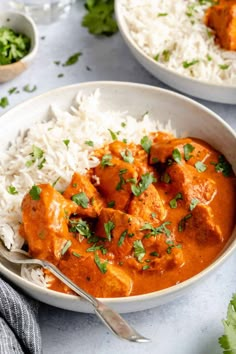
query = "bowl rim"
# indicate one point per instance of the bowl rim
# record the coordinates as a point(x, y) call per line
point(130, 41)
point(34, 43)
point(177, 288)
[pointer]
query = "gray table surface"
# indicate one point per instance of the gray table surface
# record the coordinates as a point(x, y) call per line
point(189, 325)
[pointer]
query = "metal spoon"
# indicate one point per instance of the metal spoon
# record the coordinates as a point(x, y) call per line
point(109, 317)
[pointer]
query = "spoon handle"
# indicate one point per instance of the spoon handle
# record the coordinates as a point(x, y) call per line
point(116, 324)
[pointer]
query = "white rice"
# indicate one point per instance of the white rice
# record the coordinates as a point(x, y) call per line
point(85, 121)
point(177, 26)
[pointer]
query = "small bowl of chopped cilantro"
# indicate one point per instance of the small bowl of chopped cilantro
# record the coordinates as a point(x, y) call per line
point(18, 44)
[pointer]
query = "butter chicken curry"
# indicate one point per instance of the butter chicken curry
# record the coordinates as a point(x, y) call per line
point(147, 217)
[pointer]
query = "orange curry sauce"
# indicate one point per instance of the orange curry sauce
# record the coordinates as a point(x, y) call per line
point(147, 217)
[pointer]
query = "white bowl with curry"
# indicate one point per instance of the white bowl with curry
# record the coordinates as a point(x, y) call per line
point(133, 215)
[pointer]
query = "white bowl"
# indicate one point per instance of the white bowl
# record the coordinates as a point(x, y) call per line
point(21, 24)
point(223, 93)
point(186, 116)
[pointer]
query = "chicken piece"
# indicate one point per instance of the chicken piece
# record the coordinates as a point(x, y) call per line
point(163, 150)
point(203, 225)
point(222, 19)
point(114, 282)
point(191, 184)
point(148, 206)
point(123, 234)
point(81, 184)
point(115, 182)
point(45, 222)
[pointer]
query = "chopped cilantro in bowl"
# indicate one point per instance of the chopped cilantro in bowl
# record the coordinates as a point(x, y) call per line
point(13, 46)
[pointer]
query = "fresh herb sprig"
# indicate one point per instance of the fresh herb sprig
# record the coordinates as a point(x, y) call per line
point(99, 18)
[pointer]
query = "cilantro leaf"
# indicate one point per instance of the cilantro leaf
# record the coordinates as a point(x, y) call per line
point(4, 102)
point(108, 227)
point(122, 238)
point(81, 199)
point(101, 266)
point(182, 223)
point(66, 142)
point(72, 59)
point(29, 89)
point(194, 202)
point(127, 156)
point(66, 247)
point(176, 155)
point(162, 229)
point(99, 18)
point(35, 192)
point(173, 202)
point(139, 250)
point(187, 64)
point(146, 144)
point(113, 135)
point(228, 340)
point(106, 160)
point(223, 166)
point(188, 148)
point(12, 190)
point(200, 166)
point(145, 182)
point(89, 142)
point(81, 227)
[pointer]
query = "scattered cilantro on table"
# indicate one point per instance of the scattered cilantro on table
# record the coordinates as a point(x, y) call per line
point(228, 339)
point(99, 18)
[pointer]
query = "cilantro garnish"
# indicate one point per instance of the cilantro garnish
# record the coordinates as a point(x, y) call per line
point(162, 229)
point(66, 247)
point(187, 64)
point(223, 66)
point(146, 144)
point(4, 102)
point(66, 142)
point(194, 202)
point(161, 14)
point(29, 89)
point(12, 190)
point(100, 17)
point(111, 204)
point(176, 155)
point(200, 166)
point(188, 148)
point(166, 178)
point(35, 192)
point(81, 199)
point(122, 180)
point(146, 266)
point(228, 340)
point(101, 266)
point(76, 254)
point(106, 160)
point(89, 142)
point(13, 90)
point(113, 135)
point(182, 223)
point(223, 166)
point(13, 46)
point(36, 154)
point(127, 156)
point(81, 227)
point(108, 227)
point(72, 59)
point(145, 182)
point(139, 250)
point(173, 202)
point(122, 238)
